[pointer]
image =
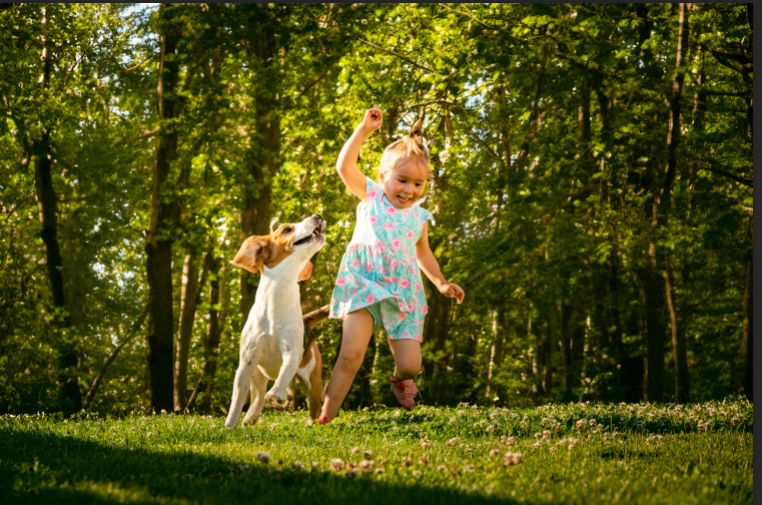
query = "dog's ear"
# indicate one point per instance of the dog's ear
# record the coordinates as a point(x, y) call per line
point(253, 254)
point(306, 272)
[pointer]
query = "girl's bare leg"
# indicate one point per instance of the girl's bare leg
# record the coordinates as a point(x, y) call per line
point(357, 330)
point(407, 358)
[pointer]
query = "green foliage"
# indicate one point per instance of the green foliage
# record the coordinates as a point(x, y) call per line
point(538, 218)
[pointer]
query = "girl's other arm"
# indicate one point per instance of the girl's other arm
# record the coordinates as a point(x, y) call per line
point(430, 267)
point(347, 162)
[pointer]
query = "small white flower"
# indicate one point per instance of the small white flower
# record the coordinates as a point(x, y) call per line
point(263, 457)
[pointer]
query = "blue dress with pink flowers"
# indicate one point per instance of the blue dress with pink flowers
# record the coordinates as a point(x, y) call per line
point(379, 270)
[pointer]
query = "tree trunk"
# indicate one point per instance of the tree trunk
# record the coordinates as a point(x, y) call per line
point(211, 343)
point(163, 216)
point(655, 285)
point(188, 303)
point(654, 289)
point(547, 360)
point(679, 351)
point(46, 202)
point(436, 330)
point(564, 311)
point(263, 161)
point(748, 335)
point(614, 319)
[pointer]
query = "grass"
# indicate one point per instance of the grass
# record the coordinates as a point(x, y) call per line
point(592, 454)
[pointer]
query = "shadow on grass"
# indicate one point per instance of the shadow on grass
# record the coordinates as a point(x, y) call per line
point(50, 468)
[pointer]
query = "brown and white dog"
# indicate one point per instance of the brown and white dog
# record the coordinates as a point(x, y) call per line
point(272, 340)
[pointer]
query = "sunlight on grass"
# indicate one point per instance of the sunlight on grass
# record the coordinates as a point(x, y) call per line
point(577, 453)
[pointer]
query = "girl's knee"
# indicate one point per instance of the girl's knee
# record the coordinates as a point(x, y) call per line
point(351, 358)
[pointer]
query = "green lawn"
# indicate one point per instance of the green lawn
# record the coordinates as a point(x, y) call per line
point(619, 454)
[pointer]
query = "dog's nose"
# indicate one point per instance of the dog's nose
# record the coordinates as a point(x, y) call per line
point(317, 216)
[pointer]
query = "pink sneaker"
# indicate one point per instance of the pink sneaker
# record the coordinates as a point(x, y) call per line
point(405, 391)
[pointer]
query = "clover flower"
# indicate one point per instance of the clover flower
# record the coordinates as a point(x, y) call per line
point(512, 458)
point(263, 457)
point(510, 441)
point(337, 464)
point(452, 441)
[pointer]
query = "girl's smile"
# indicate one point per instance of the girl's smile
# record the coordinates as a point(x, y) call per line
point(405, 185)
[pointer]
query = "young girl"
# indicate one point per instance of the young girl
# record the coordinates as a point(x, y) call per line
point(379, 284)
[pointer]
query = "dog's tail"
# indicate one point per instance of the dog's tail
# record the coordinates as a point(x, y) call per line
point(310, 321)
point(314, 317)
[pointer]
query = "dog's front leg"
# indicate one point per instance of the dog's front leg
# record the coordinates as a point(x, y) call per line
point(241, 386)
point(286, 374)
point(258, 386)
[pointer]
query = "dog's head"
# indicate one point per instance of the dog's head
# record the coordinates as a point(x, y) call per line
point(287, 249)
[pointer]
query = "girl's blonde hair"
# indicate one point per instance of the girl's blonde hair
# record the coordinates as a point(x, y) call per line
point(409, 148)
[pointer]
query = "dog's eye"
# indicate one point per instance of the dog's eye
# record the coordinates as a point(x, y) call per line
point(287, 229)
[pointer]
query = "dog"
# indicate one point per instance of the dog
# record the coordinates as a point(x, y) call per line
point(272, 340)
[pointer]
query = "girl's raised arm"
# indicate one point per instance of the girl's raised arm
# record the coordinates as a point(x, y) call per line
point(347, 162)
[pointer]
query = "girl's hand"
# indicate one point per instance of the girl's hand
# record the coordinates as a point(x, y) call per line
point(452, 291)
point(372, 120)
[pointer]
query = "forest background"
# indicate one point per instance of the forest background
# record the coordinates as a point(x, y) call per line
point(591, 189)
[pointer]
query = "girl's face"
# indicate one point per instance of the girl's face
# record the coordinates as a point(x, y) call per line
point(404, 185)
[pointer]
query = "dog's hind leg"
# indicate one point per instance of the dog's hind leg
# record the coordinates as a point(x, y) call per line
point(258, 387)
point(310, 373)
point(241, 386)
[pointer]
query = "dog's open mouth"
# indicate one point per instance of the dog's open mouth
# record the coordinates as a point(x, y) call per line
point(309, 238)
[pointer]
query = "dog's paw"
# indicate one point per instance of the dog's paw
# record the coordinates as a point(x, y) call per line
point(276, 398)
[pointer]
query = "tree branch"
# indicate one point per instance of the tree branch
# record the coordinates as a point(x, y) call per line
point(741, 180)
point(146, 134)
point(138, 65)
point(444, 102)
point(403, 58)
point(99, 378)
point(63, 86)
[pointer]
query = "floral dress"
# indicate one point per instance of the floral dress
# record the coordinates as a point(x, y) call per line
point(380, 271)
